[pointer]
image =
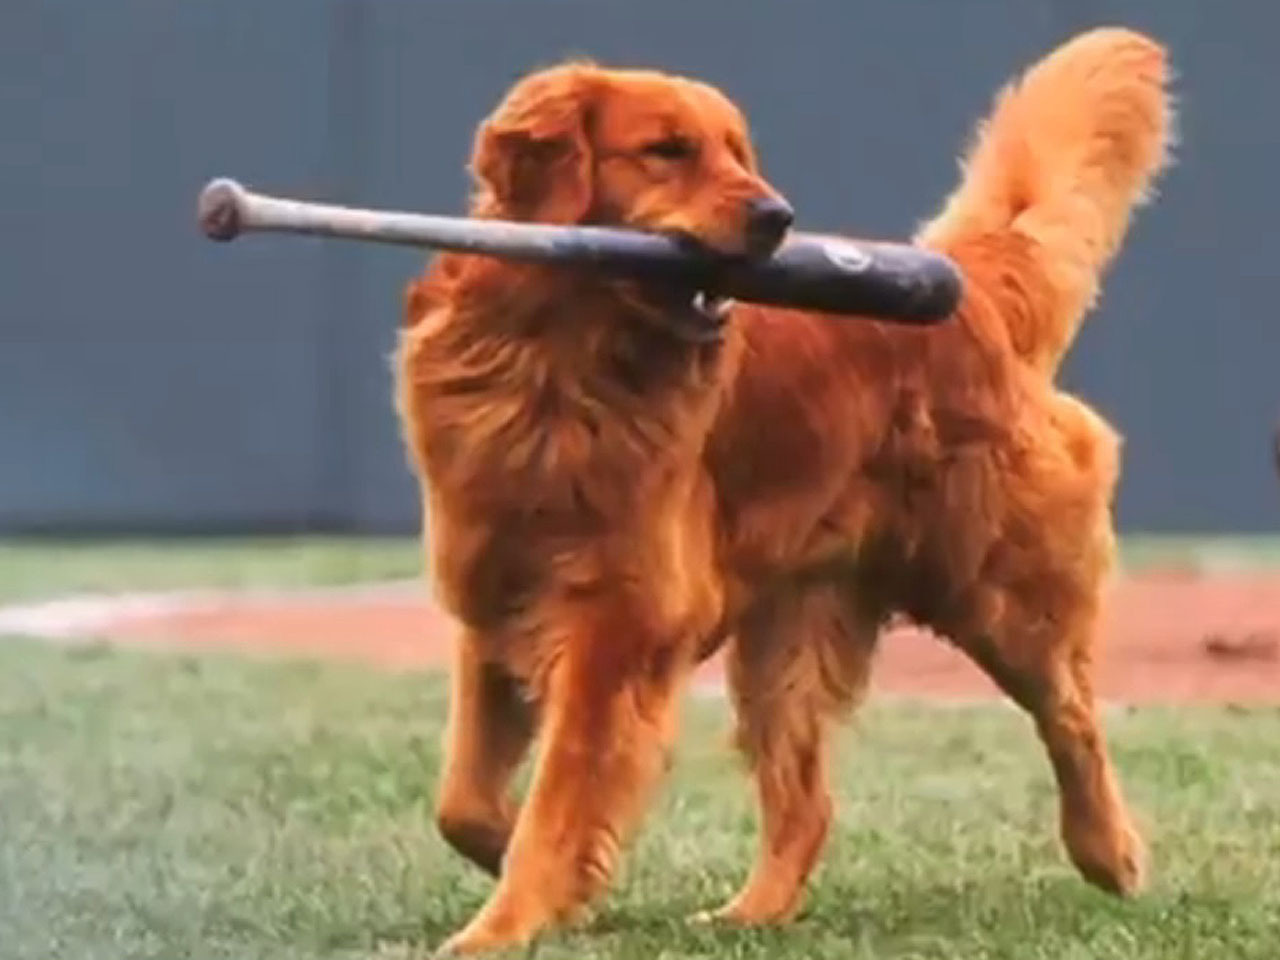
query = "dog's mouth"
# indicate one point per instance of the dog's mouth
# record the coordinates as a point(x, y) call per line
point(692, 315)
point(696, 314)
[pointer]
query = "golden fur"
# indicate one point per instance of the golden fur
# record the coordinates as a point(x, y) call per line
point(609, 502)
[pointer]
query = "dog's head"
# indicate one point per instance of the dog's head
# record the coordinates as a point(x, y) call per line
point(583, 144)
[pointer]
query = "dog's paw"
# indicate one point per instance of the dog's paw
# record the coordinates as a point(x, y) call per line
point(735, 913)
point(703, 918)
point(471, 941)
point(456, 947)
point(1114, 860)
point(1130, 875)
point(446, 951)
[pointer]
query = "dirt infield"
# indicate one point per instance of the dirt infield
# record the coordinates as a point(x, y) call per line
point(1170, 636)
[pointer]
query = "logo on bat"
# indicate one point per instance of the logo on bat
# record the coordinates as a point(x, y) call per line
point(847, 257)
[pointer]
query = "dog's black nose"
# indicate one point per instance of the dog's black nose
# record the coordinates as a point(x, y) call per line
point(768, 220)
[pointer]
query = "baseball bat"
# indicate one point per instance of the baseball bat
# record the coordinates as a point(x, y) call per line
point(888, 281)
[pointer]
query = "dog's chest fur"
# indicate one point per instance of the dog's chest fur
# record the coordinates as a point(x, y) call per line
point(560, 463)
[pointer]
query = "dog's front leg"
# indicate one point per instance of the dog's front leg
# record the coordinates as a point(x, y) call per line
point(488, 732)
point(609, 712)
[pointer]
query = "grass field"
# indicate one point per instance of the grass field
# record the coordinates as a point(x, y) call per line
point(37, 568)
point(172, 806)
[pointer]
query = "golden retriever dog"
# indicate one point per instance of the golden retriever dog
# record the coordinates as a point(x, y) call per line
point(621, 479)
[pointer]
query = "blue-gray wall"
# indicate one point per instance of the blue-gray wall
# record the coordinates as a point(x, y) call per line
point(151, 380)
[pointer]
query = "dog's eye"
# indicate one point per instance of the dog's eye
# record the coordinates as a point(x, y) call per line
point(669, 148)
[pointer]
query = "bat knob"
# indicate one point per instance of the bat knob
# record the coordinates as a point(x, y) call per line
point(219, 209)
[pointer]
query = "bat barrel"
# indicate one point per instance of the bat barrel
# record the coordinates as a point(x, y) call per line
point(886, 281)
point(881, 280)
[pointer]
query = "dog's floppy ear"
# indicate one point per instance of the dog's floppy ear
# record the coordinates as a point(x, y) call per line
point(532, 156)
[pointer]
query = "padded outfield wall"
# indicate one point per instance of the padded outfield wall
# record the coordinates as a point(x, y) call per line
point(152, 381)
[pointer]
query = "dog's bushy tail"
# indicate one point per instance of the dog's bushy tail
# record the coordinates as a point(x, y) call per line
point(1049, 185)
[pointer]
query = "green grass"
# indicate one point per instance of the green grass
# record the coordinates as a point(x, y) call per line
point(1205, 554)
point(37, 567)
point(167, 806)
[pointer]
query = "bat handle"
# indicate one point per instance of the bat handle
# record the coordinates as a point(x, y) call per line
point(222, 209)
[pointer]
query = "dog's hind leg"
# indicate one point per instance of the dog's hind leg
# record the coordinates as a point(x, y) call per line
point(487, 734)
point(795, 664)
point(1037, 645)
